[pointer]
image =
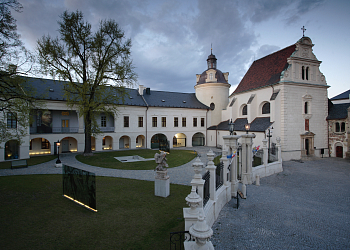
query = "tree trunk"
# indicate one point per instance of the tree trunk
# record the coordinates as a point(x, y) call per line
point(87, 149)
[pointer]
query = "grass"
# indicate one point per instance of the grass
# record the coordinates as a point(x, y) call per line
point(34, 215)
point(33, 160)
point(106, 159)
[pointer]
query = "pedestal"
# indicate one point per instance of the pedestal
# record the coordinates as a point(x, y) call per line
point(162, 184)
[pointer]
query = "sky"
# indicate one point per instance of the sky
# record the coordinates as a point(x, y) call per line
point(171, 39)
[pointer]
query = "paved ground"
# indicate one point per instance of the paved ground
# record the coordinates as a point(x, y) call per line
point(307, 206)
point(179, 175)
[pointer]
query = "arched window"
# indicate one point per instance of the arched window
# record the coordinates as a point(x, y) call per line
point(266, 108)
point(303, 72)
point(245, 110)
point(307, 73)
point(342, 129)
point(337, 127)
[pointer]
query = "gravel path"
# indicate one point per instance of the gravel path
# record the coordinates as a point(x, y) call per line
point(307, 206)
point(178, 175)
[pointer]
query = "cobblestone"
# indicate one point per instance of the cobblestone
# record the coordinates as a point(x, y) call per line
point(307, 206)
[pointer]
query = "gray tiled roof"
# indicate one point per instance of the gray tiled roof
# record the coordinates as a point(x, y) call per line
point(259, 124)
point(154, 99)
point(344, 95)
point(338, 111)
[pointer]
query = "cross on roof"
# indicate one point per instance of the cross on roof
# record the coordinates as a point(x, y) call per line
point(303, 29)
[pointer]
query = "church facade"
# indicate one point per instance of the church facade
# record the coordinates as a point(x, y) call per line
point(282, 95)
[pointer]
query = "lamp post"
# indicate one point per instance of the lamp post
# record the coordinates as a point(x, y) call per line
point(58, 145)
point(247, 127)
point(231, 127)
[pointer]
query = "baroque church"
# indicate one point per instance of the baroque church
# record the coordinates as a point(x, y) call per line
point(282, 95)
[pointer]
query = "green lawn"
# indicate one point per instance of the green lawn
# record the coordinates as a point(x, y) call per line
point(35, 215)
point(106, 159)
point(33, 160)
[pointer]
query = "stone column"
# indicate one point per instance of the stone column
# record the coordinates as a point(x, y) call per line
point(231, 142)
point(211, 168)
point(279, 150)
point(197, 179)
point(247, 156)
point(265, 152)
point(202, 233)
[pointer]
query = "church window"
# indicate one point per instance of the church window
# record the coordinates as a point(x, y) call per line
point(306, 107)
point(342, 129)
point(303, 72)
point(266, 108)
point(307, 73)
point(337, 127)
point(245, 110)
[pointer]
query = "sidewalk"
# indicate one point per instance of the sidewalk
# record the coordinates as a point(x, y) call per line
point(179, 175)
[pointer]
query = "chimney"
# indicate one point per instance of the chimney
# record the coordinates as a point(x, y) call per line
point(141, 89)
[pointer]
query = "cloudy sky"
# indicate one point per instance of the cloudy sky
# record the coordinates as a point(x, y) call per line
point(171, 39)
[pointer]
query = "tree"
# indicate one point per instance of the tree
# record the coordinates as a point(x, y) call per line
point(95, 65)
point(16, 96)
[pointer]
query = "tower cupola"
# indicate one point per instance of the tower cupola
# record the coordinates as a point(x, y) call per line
point(211, 61)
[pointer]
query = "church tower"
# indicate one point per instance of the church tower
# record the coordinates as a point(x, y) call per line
point(212, 89)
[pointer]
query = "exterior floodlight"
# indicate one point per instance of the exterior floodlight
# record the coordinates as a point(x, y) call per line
point(247, 127)
point(231, 127)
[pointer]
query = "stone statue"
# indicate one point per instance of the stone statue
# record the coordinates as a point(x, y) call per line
point(161, 161)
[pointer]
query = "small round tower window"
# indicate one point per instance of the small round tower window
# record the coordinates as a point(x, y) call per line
point(212, 106)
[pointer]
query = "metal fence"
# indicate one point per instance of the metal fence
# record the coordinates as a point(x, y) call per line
point(177, 239)
point(206, 188)
point(219, 175)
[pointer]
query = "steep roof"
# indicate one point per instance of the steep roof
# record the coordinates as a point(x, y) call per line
point(344, 95)
point(259, 124)
point(338, 111)
point(265, 71)
point(47, 89)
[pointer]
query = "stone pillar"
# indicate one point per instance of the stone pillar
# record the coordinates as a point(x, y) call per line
point(98, 143)
point(231, 142)
point(279, 150)
point(191, 214)
point(197, 179)
point(162, 183)
point(212, 169)
point(202, 233)
point(266, 152)
point(247, 156)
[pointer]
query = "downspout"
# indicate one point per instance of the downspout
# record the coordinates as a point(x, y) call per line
point(206, 127)
point(146, 116)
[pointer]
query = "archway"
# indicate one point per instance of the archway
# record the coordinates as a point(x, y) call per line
point(69, 144)
point(12, 150)
point(198, 139)
point(158, 140)
point(124, 142)
point(107, 143)
point(179, 140)
point(39, 146)
point(140, 141)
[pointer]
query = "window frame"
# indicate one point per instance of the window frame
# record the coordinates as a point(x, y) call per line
point(163, 121)
point(140, 121)
point(126, 121)
point(11, 121)
point(154, 122)
point(176, 122)
point(184, 122)
point(194, 121)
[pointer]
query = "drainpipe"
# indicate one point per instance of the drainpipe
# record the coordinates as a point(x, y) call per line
point(146, 116)
point(206, 127)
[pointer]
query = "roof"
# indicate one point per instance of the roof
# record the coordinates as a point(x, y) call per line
point(338, 111)
point(259, 124)
point(47, 89)
point(218, 75)
point(266, 71)
point(344, 95)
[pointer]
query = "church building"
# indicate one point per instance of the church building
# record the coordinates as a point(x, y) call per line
point(282, 95)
